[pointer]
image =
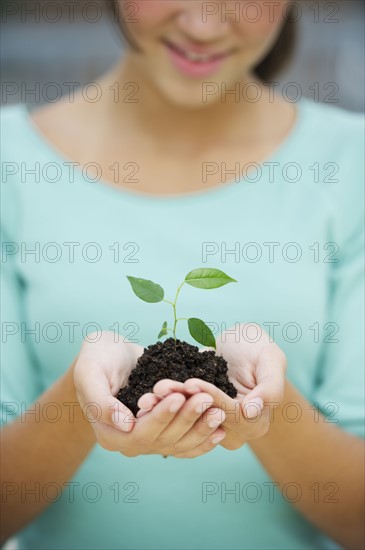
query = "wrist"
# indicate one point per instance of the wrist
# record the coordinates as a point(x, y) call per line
point(80, 420)
point(286, 419)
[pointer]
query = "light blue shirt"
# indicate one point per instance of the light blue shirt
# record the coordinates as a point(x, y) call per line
point(290, 232)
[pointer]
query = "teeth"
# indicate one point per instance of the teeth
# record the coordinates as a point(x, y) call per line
point(192, 56)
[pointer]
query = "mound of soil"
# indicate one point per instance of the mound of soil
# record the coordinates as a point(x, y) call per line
point(176, 360)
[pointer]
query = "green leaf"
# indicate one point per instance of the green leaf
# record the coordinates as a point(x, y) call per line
point(208, 277)
point(163, 331)
point(146, 290)
point(201, 332)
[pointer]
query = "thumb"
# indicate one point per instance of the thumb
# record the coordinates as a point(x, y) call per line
point(122, 417)
point(270, 377)
point(97, 402)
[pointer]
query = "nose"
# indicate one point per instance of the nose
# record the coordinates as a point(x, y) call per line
point(202, 21)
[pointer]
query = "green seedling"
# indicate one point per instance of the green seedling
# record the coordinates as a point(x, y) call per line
point(206, 278)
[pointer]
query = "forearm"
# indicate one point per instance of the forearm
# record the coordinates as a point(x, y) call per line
point(36, 452)
point(312, 453)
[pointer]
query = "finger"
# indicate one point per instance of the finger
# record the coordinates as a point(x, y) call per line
point(122, 417)
point(142, 412)
point(147, 401)
point(97, 401)
point(164, 387)
point(207, 426)
point(270, 377)
point(151, 425)
point(206, 447)
point(221, 399)
point(252, 407)
point(188, 415)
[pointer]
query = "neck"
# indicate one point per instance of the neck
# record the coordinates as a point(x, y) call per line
point(164, 121)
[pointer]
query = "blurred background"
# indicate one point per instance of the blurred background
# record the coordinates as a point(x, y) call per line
point(45, 45)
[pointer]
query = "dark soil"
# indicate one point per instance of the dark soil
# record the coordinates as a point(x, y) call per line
point(176, 361)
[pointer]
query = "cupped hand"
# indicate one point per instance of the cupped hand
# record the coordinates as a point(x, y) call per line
point(179, 425)
point(256, 367)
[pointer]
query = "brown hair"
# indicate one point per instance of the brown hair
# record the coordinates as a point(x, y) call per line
point(281, 52)
point(276, 59)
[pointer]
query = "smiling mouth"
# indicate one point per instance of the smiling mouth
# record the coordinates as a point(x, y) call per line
point(195, 57)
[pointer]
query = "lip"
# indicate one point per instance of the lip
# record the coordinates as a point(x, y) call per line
point(205, 62)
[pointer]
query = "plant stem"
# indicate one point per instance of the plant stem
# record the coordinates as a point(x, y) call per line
point(173, 304)
point(174, 308)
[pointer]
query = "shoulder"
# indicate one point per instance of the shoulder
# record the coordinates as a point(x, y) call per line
point(13, 151)
point(12, 120)
point(332, 128)
point(10, 113)
point(332, 142)
point(336, 137)
point(15, 144)
point(21, 126)
point(331, 115)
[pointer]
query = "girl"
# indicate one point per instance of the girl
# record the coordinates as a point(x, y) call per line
point(175, 166)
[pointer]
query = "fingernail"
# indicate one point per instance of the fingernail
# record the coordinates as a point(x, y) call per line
point(214, 423)
point(122, 421)
point(142, 412)
point(193, 389)
point(218, 438)
point(144, 409)
point(175, 406)
point(254, 407)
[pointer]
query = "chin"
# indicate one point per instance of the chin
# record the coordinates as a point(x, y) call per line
point(188, 96)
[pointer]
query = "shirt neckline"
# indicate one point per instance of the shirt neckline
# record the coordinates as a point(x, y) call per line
point(100, 185)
